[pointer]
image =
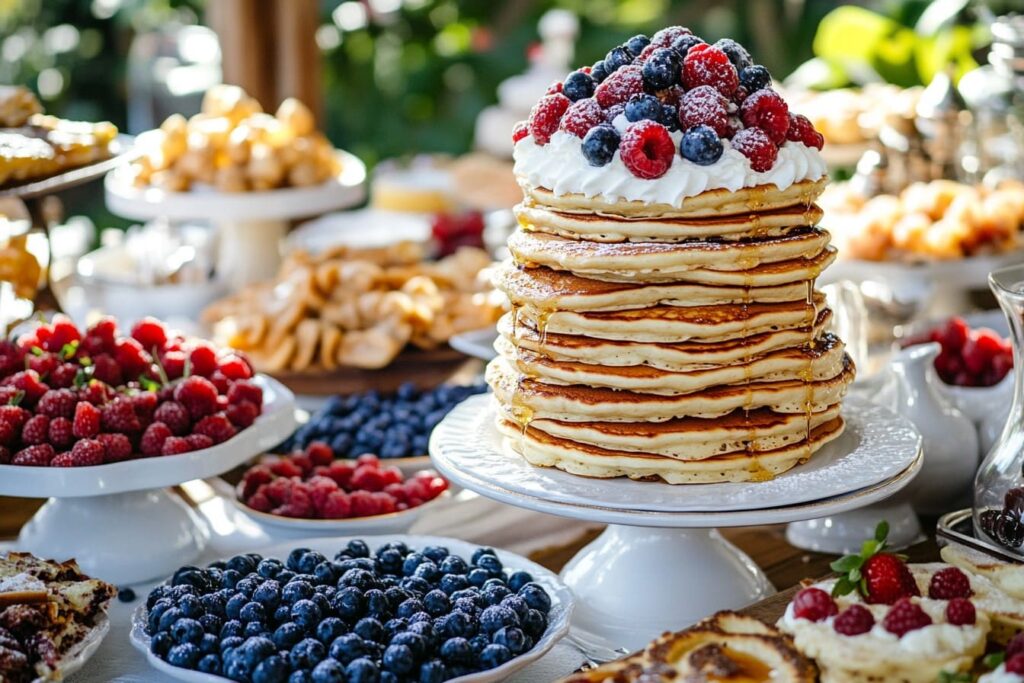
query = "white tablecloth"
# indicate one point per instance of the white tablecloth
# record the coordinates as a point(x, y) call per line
point(474, 519)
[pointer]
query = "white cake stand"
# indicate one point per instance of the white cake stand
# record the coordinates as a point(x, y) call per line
point(120, 521)
point(251, 224)
point(661, 565)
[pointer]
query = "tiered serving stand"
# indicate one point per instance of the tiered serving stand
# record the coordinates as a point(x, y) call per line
point(251, 225)
point(121, 521)
point(660, 564)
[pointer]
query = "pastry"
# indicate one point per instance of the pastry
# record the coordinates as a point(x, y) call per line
point(38, 146)
point(665, 323)
point(722, 648)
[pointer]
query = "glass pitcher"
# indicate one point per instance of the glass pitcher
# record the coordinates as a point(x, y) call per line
point(999, 484)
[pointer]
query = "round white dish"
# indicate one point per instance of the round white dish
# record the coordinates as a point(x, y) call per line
point(270, 428)
point(476, 343)
point(362, 228)
point(965, 273)
point(391, 523)
point(876, 447)
point(562, 604)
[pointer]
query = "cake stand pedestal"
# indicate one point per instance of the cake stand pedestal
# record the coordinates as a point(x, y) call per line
point(120, 521)
point(660, 565)
point(251, 225)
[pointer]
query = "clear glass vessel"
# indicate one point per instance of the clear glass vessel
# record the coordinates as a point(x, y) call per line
point(999, 484)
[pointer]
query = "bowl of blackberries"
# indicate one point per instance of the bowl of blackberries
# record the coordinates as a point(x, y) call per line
point(397, 609)
point(395, 426)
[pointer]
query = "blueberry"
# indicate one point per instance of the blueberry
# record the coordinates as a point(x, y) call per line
point(329, 671)
point(396, 596)
point(242, 564)
point(599, 147)
point(235, 605)
point(268, 594)
point(496, 617)
point(415, 584)
point(126, 595)
point(669, 117)
point(736, 53)
point(187, 630)
point(157, 594)
point(536, 597)
point(661, 70)
point(257, 649)
point(348, 603)
point(168, 618)
point(191, 576)
point(209, 664)
point(329, 629)
point(161, 643)
point(230, 643)
point(394, 626)
point(399, 659)
point(466, 605)
point(273, 669)
point(359, 578)
point(308, 562)
point(417, 644)
point(287, 635)
point(410, 607)
point(211, 623)
point(282, 614)
point(683, 43)
point(478, 643)
point(494, 656)
point(252, 611)
point(185, 656)
point(294, 557)
point(457, 650)
point(433, 672)
point(391, 561)
point(362, 670)
point(491, 563)
point(347, 647)
point(212, 604)
point(428, 571)
point(269, 568)
point(285, 576)
point(369, 628)
point(637, 43)
point(755, 77)
point(437, 603)
point(247, 586)
point(617, 58)
point(512, 638)
point(519, 579)
point(423, 629)
point(517, 605)
point(306, 614)
point(155, 612)
point(420, 616)
point(307, 653)
point(453, 564)
point(377, 604)
point(341, 444)
point(642, 106)
point(456, 624)
point(231, 628)
point(493, 595)
point(452, 583)
point(535, 624)
point(701, 145)
point(599, 71)
point(296, 590)
point(301, 676)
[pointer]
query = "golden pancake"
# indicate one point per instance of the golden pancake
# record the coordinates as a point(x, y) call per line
point(586, 460)
point(597, 228)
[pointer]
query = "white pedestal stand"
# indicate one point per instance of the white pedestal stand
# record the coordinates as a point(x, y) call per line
point(120, 521)
point(251, 225)
point(660, 565)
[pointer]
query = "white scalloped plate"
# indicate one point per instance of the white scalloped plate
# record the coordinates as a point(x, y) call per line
point(877, 446)
point(270, 428)
point(78, 655)
point(562, 602)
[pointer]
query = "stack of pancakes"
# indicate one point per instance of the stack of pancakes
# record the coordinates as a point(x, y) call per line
point(685, 343)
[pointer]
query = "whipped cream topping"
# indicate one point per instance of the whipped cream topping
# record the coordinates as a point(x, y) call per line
point(1001, 675)
point(561, 167)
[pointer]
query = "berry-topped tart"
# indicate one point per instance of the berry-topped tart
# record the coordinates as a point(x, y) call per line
point(80, 398)
point(665, 322)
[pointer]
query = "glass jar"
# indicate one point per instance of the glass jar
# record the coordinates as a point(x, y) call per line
point(999, 484)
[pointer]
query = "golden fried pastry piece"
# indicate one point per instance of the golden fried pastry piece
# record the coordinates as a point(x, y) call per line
point(17, 104)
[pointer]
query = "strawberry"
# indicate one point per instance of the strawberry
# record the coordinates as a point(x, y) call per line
point(881, 577)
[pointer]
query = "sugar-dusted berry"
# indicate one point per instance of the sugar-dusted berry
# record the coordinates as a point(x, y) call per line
point(701, 145)
point(802, 130)
point(581, 116)
point(545, 117)
point(765, 109)
point(647, 149)
point(707, 65)
point(600, 144)
point(755, 145)
point(578, 86)
point(705, 106)
point(620, 86)
point(661, 69)
point(755, 77)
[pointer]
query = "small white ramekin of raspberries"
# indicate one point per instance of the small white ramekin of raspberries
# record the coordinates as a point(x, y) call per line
point(70, 398)
point(702, 98)
point(311, 484)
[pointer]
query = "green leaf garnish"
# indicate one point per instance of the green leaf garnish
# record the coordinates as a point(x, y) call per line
point(18, 397)
point(992, 661)
point(849, 567)
point(36, 351)
point(69, 350)
point(882, 531)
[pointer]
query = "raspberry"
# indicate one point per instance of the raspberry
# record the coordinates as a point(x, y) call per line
point(87, 452)
point(960, 612)
point(234, 366)
point(5, 455)
point(853, 621)
point(57, 403)
point(554, 89)
point(175, 445)
point(285, 468)
point(369, 478)
point(647, 149)
point(12, 419)
point(11, 358)
point(755, 145)
point(61, 433)
point(705, 106)
point(132, 358)
point(63, 376)
point(203, 358)
point(669, 35)
point(44, 364)
point(363, 504)
point(802, 130)
point(520, 131)
point(106, 369)
point(278, 490)
point(245, 390)
point(199, 441)
point(620, 86)
point(63, 332)
point(545, 116)
point(95, 392)
point(581, 116)
point(905, 616)
point(153, 439)
point(708, 65)
point(27, 381)
point(34, 456)
point(254, 478)
point(766, 110)
point(198, 395)
point(645, 54)
point(62, 460)
point(116, 447)
point(341, 472)
point(319, 490)
point(303, 462)
point(887, 579)
point(260, 502)
point(144, 404)
point(150, 333)
point(242, 414)
point(36, 430)
point(9, 396)
point(337, 506)
point(174, 415)
point(87, 420)
point(949, 583)
point(1015, 646)
point(813, 604)
point(1015, 664)
point(119, 416)
point(298, 503)
point(218, 427)
point(100, 337)
point(386, 504)
point(173, 363)
point(368, 459)
point(320, 453)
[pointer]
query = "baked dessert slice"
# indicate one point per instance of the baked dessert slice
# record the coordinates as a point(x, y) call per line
point(17, 104)
point(47, 609)
point(725, 647)
point(43, 145)
point(1002, 584)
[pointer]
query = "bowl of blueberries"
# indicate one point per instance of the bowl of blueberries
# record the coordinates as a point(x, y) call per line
point(397, 609)
point(395, 426)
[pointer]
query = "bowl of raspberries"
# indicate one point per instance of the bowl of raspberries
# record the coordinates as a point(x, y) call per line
point(309, 491)
point(396, 608)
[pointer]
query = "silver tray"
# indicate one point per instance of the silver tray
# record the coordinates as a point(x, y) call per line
point(958, 527)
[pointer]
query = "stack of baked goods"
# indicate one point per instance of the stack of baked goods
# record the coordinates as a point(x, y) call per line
point(358, 308)
point(665, 323)
point(47, 612)
point(34, 145)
